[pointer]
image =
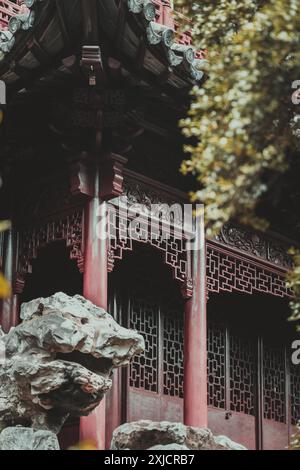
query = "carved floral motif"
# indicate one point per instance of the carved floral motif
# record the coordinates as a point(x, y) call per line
point(255, 244)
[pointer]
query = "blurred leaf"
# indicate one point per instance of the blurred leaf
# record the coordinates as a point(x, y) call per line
point(85, 445)
point(295, 439)
point(5, 289)
point(4, 225)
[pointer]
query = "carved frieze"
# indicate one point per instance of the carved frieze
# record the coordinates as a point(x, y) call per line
point(227, 272)
point(258, 245)
point(155, 211)
point(240, 266)
point(156, 204)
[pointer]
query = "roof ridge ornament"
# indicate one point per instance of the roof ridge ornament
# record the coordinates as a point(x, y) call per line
point(22, 21)
point(178, 54)
point(157, 33)
point(143, 6)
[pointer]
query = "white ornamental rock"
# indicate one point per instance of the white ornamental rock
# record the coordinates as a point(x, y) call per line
point(59, 360)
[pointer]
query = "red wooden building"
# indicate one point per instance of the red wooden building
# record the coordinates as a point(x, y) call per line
point(95, 91)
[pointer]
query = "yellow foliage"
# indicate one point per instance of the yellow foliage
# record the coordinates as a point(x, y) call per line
point(5, 290)
point(85, 445)
point(4, 225)
point(242, 118)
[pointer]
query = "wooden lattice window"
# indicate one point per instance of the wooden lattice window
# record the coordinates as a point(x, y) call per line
point(274, 373)
point(242, 375)
point(216, 365)
point(295, 394)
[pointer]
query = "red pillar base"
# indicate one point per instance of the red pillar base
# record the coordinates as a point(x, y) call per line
point(92, 428)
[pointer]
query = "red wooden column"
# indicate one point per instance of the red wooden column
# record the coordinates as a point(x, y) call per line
point(92, 428)
point(195, 338)
point(9, 308)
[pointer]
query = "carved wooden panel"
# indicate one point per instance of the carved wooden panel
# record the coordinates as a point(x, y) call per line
point(274, 384)
point(173, 355)
point(68, 228)
point(123, 234)
point(256, 244)
point(242, 375)
point(163, 334)
point(227, 272)
point(144, 368)
point(295, 394)
point(216, 365)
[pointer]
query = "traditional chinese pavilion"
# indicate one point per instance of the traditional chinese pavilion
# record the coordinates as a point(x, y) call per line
point(95, 89)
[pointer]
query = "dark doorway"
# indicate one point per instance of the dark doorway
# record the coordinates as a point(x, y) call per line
point(53, 271)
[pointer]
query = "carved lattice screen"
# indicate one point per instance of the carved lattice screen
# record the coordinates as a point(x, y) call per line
point(144, 368)
point(274, 373)
point(216, 365)
point(163, 334)
point(173, 354)
point(242, 375)
point(295, 394)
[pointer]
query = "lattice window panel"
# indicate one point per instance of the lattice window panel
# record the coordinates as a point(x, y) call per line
point(274, 384)
point(229, 273)
point(144, 368)
point(242, 375)
point(173, 355)
point(216, 365)
point(173, 247)
point(295, 394)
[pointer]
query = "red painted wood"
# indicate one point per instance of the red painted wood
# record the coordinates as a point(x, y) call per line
point(92, 428)
point(195, 339)
point(9, 312)
point(275, 435)
point(142, 404)
point(239, 427)
point(9, 9)
point(113, 407)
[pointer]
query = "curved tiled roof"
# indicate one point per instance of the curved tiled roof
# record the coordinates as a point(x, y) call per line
point(21, 21)
point(52, 29)
point(177, 54)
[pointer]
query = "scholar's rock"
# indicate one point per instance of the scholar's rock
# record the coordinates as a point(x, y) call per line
point(59, 360)
point(19, 438)
point(146, 435)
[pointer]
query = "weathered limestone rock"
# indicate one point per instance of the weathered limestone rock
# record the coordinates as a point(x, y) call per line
point(58, 362)
point(19, 438)
point(145, 435)
point(169, 447)
point(228, 443)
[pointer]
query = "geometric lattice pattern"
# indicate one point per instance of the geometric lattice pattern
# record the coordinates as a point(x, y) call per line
point(172, 246)
point(226, 272)
point(144, 368)
point(295, 394)
point(242, 375)
point(145, 317)
point(274, 384)
point(68, 228)
point(173, 355)
point(216, 365)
